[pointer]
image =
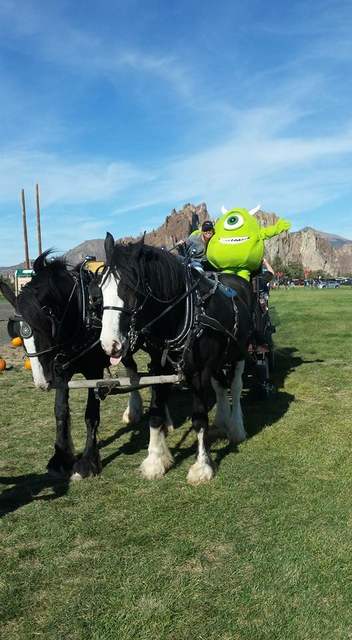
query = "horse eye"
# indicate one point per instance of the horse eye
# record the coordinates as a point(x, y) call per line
point(233, 222)
point(25, 330)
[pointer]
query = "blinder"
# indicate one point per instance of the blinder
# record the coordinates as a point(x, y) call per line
point(25, 330)
point(14, 327)
point(17, 327)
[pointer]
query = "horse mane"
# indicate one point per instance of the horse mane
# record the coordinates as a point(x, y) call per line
point(143, 265)
point(45, 283)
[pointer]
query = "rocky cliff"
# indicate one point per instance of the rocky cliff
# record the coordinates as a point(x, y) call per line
point(308, 246)
point(176, 227)
point(315, 249)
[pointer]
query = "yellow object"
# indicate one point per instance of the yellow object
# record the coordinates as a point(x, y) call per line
point(27, 363)
point(94, 265)
point(17, 342)
point(2, 364)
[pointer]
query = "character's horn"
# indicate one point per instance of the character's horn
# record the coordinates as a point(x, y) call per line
point(255, 210)
point(223, 210)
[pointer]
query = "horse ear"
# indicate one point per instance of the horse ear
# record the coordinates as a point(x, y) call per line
point(139, 246)
point(8, 293)
point(109, 245)
point(41, 262)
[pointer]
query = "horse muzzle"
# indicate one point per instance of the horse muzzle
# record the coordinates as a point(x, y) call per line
point(116, 350)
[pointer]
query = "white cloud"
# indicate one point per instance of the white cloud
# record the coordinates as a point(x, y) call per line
point(62, 181)
point(52, 38)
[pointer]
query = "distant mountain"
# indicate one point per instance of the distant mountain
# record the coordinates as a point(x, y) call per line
point(315, 249)
point(9, 271)
point(88, 248)
point(176, 227)
point(334, 240)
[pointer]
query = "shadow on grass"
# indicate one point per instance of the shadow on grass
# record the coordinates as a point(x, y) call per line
point(27, 489)
point(262, 412)
point(259, 414)
point(138, 440)
point(287, 361)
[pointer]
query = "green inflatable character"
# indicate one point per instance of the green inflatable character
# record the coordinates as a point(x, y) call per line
point(238, 244)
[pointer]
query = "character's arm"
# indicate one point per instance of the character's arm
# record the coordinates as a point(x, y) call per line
point(274, 229)
point(268, 267)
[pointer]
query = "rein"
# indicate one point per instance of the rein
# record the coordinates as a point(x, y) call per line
point(195, 319)
point(83, 322)
point(170, 307)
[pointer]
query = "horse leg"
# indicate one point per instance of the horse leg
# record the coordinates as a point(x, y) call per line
point(223, 409)
point(169, 425)
point(134, 410)
point(159, 458)
point(61, 463)
point(237, 431)
point(89, 464)
point(202, 470)
point(227, 419)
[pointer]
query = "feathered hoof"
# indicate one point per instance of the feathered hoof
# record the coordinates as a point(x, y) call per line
point(60, 465)
point(58, 474)
point(153, 468)
point(76, 477)
point(132, 416)
point(199, 473)
point(237, 438)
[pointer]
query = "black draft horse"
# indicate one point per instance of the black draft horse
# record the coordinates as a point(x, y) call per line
point(60, 340)
point(188, 324)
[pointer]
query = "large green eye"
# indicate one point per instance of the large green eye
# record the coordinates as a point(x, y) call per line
point(234, 221)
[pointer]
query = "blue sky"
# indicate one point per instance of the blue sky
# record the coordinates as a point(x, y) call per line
point(123, 110)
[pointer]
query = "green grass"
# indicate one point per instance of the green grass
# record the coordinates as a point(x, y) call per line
point(262, 552)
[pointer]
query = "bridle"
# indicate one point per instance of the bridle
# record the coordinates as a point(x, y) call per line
point(133, 335)
point(85, 321)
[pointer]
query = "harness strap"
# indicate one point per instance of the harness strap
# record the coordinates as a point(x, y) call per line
point(67, 364)
point(40, 353)
point(112, 308)
point(170, 307)
point(215, 325)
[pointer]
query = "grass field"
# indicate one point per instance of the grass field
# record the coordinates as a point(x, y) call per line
point(262, 552)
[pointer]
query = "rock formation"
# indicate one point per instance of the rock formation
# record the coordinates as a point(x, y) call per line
point(314, 249)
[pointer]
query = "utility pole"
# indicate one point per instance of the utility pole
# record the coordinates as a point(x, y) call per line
point(25, 235)
point(39, 233)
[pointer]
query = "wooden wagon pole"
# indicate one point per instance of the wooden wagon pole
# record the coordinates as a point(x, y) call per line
point(39, 233)
point(125, 384)
point(25, 235)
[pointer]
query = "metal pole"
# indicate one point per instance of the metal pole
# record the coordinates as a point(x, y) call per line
point(25, 235)
point(39, 233)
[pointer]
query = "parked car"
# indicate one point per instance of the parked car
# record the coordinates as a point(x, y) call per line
point(328, 284)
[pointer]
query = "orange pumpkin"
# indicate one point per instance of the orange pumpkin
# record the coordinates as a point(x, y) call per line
point(27, 363)
point(2, 364)
point(17, 342)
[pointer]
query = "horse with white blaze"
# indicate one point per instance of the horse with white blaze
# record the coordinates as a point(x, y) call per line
point(186, 324)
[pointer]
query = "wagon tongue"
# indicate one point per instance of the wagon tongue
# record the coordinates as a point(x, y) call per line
point(115, 361)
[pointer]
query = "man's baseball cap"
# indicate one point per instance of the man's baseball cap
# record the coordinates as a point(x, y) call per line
point(207, 226)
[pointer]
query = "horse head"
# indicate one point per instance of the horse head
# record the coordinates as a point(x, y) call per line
point(42, 305)
point(120, 289)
